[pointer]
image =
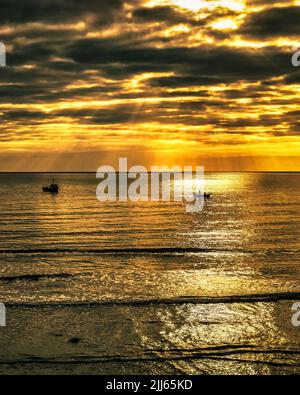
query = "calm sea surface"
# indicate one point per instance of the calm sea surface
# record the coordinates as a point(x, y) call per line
point(123, 287)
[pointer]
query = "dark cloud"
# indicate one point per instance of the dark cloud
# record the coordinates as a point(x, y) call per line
point(275, 21)
point(292, 78)
point(194, 66)
point(165, 14)
point(54, 11)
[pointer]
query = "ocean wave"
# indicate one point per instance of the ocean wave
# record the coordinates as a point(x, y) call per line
point(143, 250)
point(33, 277)
point(249, 298)
point(228, 352)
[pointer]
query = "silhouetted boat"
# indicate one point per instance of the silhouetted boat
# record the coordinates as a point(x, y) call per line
point(200, 195)
point(53, 188)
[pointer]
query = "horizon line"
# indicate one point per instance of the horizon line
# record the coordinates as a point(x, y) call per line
point(94, 172)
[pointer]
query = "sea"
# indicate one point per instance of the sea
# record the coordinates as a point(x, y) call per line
point(143, 287)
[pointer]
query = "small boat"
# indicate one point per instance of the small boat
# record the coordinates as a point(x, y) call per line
point(52, 188)
point(200, 195)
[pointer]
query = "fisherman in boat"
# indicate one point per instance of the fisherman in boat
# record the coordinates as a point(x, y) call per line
point(200, 195)
point(53, 188)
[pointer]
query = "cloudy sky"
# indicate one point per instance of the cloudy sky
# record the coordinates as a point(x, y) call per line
point(160, 82)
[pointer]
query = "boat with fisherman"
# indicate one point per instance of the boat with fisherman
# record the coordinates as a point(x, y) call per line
point(52, 188)
point(201, 195)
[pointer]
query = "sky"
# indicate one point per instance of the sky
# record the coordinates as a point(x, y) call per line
point(169, 82)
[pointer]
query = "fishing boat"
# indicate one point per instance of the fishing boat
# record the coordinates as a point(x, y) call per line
point(200, 195)
point(52, 188)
